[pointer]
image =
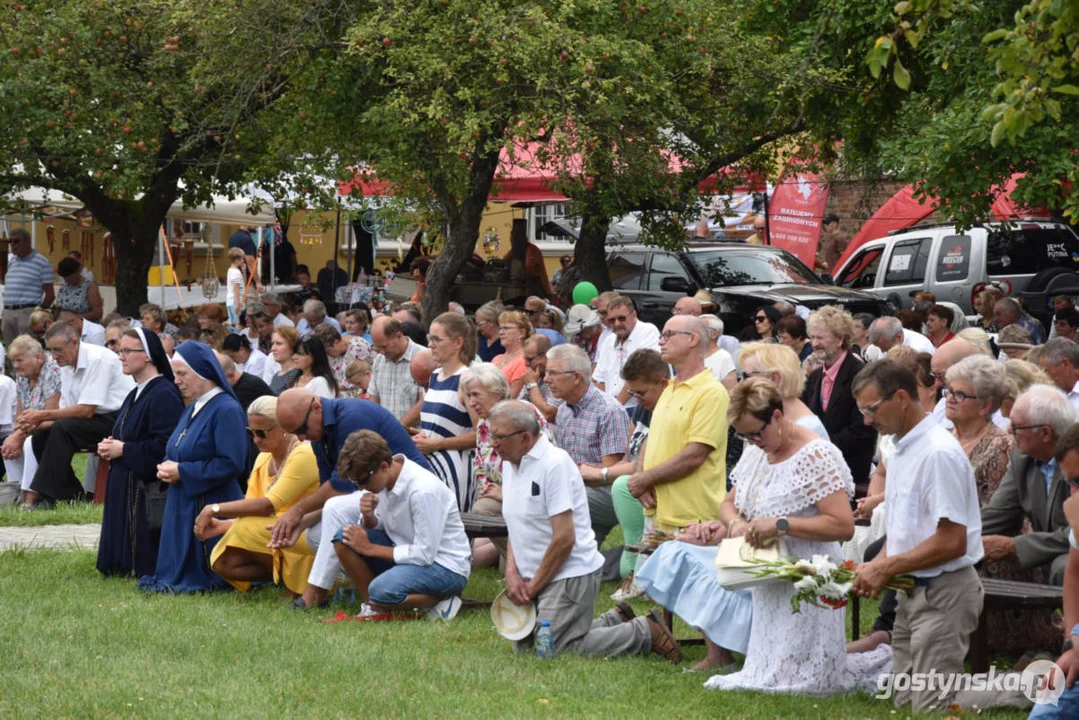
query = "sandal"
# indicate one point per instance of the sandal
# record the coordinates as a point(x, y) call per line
point(625, 612)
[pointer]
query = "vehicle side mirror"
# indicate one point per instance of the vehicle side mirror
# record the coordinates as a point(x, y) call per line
point(677, 284)
point(827, 279)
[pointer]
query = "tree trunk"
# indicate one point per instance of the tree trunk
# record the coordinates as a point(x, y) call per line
point(134, 256)
point(464, 230)
point(590, 253)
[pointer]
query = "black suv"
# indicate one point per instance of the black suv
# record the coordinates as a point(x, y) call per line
point(740, 277)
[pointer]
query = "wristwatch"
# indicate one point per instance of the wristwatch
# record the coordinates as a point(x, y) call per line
point(782, 526)
point(604, 473)
point(215, 509)
point(529, 386)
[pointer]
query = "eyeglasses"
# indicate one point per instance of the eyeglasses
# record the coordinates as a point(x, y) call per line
point(124, 352)
point(364, 479)
point(560, 372)
point(618, 318)
point(872, 409)
point(111, 343)
point(757, 373)
point(667, 334)
point(260, 434)
point(435, 339)
point(301, 429)
point(1016, 428)
point(959, 395)
point(754, 437)
point(507, 328)
point(937, 377)
point(760, 318)
point(500, 438)
point(639, 396)
point(57, 351)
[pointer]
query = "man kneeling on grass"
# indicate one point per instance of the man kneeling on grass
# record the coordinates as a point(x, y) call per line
point(551, 557)
point(410, 551)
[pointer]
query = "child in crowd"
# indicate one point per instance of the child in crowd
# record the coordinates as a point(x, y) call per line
point(358, 373)
point(234, 285)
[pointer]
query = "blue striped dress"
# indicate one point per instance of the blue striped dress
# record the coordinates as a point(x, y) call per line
point(443, 415)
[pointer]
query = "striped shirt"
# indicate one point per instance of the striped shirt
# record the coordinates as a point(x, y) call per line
point(26, 278)
point(392, 383)
point(596, 426)
point(443, 415)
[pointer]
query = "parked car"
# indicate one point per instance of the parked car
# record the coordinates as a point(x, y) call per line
point(740, 277)
point(1032, 258)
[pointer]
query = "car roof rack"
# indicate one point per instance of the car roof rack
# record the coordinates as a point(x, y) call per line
point(927, 226)
point(982, 224)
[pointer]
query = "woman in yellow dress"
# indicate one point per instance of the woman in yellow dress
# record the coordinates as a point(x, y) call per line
point(285, 472)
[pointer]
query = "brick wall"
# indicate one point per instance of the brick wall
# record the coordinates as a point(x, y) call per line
point(855, 201)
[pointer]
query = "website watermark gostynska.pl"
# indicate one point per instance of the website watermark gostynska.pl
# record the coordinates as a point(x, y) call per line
point(1041, 682)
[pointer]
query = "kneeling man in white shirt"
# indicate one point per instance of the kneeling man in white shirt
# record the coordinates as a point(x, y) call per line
point(934, 534)
point(551, 558)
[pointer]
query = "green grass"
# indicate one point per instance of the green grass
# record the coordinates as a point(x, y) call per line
point(76, 644)
point(75, 513)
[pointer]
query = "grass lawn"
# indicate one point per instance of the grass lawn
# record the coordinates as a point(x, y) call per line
point(75, 644)
point(74, 513)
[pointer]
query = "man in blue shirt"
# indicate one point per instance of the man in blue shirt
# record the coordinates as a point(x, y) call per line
point(327, 424)
point(28, 283)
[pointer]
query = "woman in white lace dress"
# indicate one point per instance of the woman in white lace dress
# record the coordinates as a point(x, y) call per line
point(790, 481)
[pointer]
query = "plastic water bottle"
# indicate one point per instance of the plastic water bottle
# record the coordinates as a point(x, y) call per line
point(544, 641)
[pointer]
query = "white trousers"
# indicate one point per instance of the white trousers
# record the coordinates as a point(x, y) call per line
point(22, 469)
point(337, 513)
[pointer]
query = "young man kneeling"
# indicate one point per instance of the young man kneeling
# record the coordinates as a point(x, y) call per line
point(411, 551)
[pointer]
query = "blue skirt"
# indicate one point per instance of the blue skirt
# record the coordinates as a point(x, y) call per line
point(682, 578)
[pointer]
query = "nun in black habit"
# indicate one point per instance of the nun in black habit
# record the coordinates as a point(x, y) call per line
point(134, 497)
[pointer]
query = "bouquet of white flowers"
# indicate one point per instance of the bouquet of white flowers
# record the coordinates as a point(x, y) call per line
point(819, 581)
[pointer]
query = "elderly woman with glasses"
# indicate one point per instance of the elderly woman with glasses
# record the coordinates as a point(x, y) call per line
point(285, 472)
point(37, 387)
point(790, 484)
point(974, 389)
point(513, 329)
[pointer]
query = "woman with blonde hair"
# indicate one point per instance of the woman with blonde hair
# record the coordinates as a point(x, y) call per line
point(978, 338)
point(1020, 375)
point(779, 363)
point(513, 329)
point(984, 304)
point(285, 472)
point(446, 434)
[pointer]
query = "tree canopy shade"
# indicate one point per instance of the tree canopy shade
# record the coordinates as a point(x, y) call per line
point(118, 105)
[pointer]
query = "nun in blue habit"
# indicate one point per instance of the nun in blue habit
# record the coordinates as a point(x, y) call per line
point(129, 540)
point(204, 458)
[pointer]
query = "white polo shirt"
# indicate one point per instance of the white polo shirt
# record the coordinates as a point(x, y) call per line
point(256, 363)
point(545, 484)
point(420, 516)
point(929, 479)
point(918, 341)
point(612, 355)
point(97, 379)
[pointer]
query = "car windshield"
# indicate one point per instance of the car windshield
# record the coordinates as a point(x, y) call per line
point(724, 268)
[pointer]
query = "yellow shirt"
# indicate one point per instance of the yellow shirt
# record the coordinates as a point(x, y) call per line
point(694, 411)
point(295, 480)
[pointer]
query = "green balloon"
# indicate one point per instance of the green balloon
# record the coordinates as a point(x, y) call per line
point(583, 292)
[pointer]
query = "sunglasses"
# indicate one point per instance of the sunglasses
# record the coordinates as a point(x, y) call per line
point(760, 318)
point(754, 437)
point(301, 429)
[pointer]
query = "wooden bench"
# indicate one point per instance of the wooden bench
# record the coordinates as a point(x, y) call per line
point(1003, 595)
point(482, 526)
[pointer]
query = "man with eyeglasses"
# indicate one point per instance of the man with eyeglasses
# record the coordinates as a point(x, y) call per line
point(327, 424)
point(602, 305)
point(552, 556)
point(92, 388)
point(1034, 488)
point(627, 336)
point(536, 389)
point(682, 475)
point(592, 427)
point(933, 533)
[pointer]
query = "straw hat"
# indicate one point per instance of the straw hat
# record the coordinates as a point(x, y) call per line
point(513, 622)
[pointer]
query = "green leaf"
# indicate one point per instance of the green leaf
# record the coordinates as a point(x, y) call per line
point(901, 75)
point(998, 34)
point(998, 133)
point(902, 8)
point(1067, 89)
point(912, 37)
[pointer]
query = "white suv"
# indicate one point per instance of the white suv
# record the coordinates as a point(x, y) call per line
point(1035, 258)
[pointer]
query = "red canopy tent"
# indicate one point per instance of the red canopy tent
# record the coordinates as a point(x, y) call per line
point(523, 177)
point(903, 210)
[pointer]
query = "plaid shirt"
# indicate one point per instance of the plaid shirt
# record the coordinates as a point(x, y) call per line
point(392, 384)
point(596, 426)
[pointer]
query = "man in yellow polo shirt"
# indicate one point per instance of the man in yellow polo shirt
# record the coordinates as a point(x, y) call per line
point(684, 476)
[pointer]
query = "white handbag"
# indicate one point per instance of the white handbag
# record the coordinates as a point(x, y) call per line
point(734, 561)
